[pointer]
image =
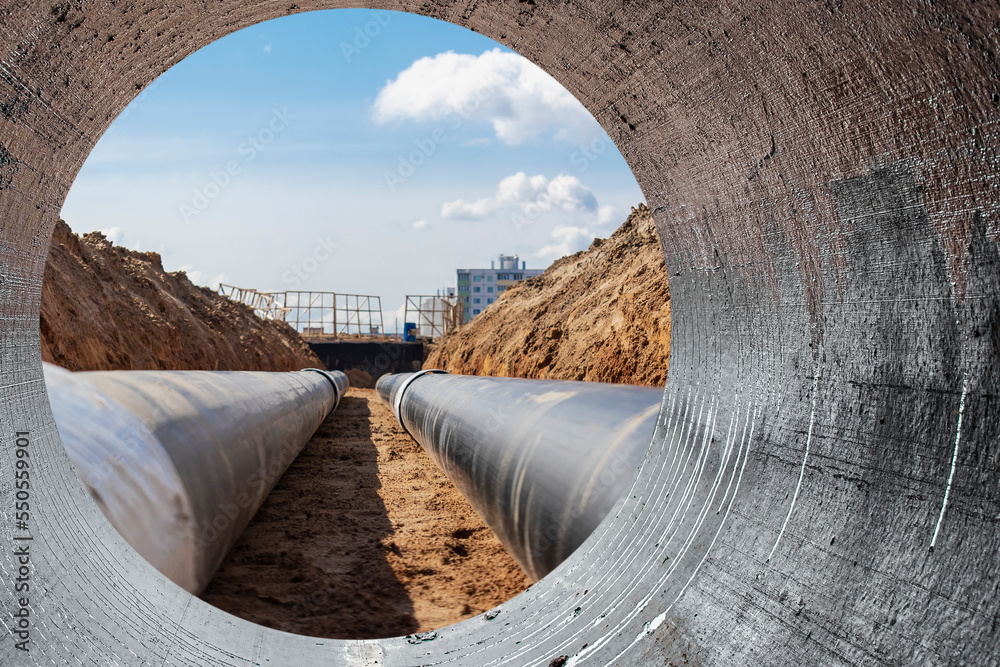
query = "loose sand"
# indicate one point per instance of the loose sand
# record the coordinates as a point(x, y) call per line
point(105, 307)
point(600, 315)
point(364, 537)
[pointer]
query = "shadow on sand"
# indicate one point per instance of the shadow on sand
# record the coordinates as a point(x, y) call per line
point(312, 559)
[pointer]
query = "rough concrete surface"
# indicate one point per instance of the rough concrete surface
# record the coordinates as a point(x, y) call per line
point(824, 487)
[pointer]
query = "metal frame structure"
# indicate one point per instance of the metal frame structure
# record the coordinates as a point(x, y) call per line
point(332, 313)
point(443, 316)
point(263, 303)
point(314, 313)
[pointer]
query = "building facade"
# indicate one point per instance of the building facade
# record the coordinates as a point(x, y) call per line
point(478, 288)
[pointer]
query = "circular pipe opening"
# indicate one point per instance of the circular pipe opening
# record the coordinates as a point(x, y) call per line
point(821, 184)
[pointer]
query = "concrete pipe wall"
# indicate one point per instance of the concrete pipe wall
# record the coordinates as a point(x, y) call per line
point(823, 485)
point(542, 461)
point(179, 461)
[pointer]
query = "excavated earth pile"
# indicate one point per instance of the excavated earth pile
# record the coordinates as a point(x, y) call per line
point(105, 307)
point(601, 315)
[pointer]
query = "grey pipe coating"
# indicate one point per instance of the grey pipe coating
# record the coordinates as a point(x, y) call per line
point(542, 461)
point(179, 461)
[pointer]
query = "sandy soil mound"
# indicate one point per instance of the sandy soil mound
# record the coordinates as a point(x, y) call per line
point(364, 537)
point(600, 315)
point(109, 308)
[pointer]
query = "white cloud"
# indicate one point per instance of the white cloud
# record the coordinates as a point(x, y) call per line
point(463, 210)
point(114, 234)
point(504, 89)
point(200, 278)
point(529, 196)
point(118, 237)
point(568, 239)
point(606, 215)
point(395, 318)
point(420, 224)
point(479, 142)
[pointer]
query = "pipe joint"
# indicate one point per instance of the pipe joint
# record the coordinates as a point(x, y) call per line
point(336, 379)
point(398, 399)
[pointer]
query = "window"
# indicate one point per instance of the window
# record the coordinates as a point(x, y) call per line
point(477, 300)
point(489, 289)
point(477, 289)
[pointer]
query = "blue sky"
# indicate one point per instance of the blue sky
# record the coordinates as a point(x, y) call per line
point(354, 151)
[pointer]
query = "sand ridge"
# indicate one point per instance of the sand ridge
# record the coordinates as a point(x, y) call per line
point(599, 315)
point(105, 307)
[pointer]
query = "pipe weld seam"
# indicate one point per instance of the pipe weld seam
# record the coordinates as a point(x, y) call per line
point(336, 392)
point(397, 402)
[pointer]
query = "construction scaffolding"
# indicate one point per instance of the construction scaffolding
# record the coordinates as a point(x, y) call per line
point(331, 313)
point(263, 303)
point(434, 315)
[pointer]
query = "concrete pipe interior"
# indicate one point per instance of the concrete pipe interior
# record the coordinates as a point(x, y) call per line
point(822, 487)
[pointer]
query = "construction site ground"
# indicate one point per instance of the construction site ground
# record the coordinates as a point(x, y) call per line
point(364, 537)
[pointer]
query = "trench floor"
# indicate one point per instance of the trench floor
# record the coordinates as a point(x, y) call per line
point(364, 537)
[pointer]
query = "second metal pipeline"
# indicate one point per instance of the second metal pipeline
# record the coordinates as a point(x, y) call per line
point(179, 461)
point(542, 461)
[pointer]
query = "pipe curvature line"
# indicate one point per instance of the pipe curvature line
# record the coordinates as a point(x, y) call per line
point(179, 461)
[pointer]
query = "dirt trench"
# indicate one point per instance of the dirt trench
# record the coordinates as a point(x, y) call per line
point(364, 537)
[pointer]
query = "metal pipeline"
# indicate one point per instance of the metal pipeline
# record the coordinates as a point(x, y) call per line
point(179, 461)
point(542, 461)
